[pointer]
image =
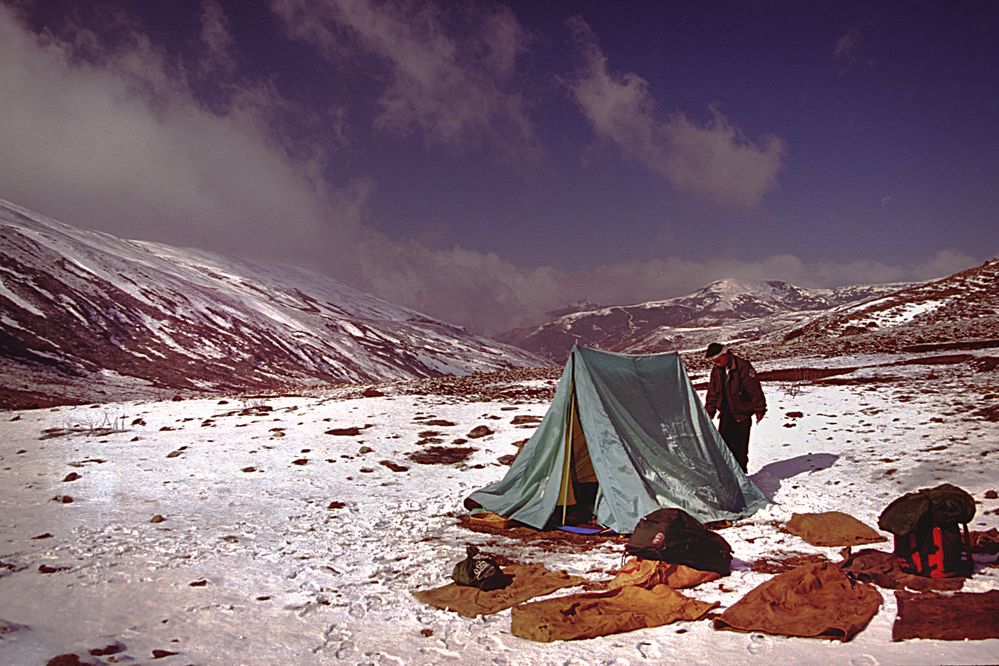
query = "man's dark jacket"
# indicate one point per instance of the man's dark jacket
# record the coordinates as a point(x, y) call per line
point(745, 396)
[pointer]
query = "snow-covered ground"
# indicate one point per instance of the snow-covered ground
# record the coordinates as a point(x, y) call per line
point(282, 544)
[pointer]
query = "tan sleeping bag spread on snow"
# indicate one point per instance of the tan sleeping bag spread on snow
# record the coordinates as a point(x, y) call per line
point(811, 601)
point(881, 568)
point(649, 573)
point(529, 581)
point(489, 519)
point(832, 528)
point(951, 617)
point(604, 613)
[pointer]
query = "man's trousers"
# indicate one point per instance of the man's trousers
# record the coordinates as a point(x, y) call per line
point(736, 436)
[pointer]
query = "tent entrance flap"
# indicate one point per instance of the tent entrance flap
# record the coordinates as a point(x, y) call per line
point(579, 478)
point(565, 488)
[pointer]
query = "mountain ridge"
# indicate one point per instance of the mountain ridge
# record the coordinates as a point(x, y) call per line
point(84, 307)
point(725, 309)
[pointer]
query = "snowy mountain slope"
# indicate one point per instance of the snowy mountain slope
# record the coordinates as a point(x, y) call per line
point(960, 310)
point(723, 310)
point(84, 312)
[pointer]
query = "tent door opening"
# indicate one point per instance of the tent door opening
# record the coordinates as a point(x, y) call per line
point(578, 492)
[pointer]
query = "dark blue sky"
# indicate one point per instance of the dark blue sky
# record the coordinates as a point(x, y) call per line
point(486, 161)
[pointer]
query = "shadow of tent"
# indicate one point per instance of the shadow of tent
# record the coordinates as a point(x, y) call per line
point(769, 477)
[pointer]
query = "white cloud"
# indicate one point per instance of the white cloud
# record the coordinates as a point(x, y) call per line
point(450, 83)
point(846, 52)
point(117, 142)
point(217, 39)
point(715, 161)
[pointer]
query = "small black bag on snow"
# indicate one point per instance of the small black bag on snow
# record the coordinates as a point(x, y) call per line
point(479, 571)
point(673, 535)
point(927, 525)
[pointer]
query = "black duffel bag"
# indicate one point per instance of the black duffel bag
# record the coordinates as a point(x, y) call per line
point(673, 535)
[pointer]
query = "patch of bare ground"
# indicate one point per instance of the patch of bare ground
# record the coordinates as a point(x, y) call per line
point(550, 541)
point(395, 467)
point(785, 562)
point(990, 413)
point(51, 433)
point(962, 344)
point(433, 421)
point(985, 363)
point(11, 398)
point(985, 542)
point(501, 385)
point(441, 455)
point(944, 359)
point(857, 381)
point(352, 431)
point(802, 374)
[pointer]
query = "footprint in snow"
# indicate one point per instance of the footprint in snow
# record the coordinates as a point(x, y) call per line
point(649, 650)
point(864, 660)
point(758, 644)
point(346, 649)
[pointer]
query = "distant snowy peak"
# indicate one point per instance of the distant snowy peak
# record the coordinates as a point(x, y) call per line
point(736, 290)
point(725, 309)
point(79, 307)
point(578, 306)
point(772, 296)
point(728, 299)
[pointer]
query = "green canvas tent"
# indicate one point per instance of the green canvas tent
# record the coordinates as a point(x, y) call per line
point(624, 435)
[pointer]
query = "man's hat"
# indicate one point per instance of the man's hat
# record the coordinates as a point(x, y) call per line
point(714, 351)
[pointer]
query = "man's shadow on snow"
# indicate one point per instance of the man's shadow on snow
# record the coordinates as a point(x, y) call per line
point(769, 477)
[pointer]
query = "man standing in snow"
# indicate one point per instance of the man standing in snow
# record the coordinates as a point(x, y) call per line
point(735, 392)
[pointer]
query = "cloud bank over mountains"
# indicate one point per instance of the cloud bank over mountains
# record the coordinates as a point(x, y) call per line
point(105, 129)
point(715, 161)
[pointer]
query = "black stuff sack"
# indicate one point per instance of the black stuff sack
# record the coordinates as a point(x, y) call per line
point(673, 535)
point(479, 571)
point(931, 531)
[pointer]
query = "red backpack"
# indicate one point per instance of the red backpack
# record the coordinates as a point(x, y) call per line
point(941, 551)
point(931, 531)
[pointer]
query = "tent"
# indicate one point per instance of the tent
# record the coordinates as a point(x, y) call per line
point(624, 435)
